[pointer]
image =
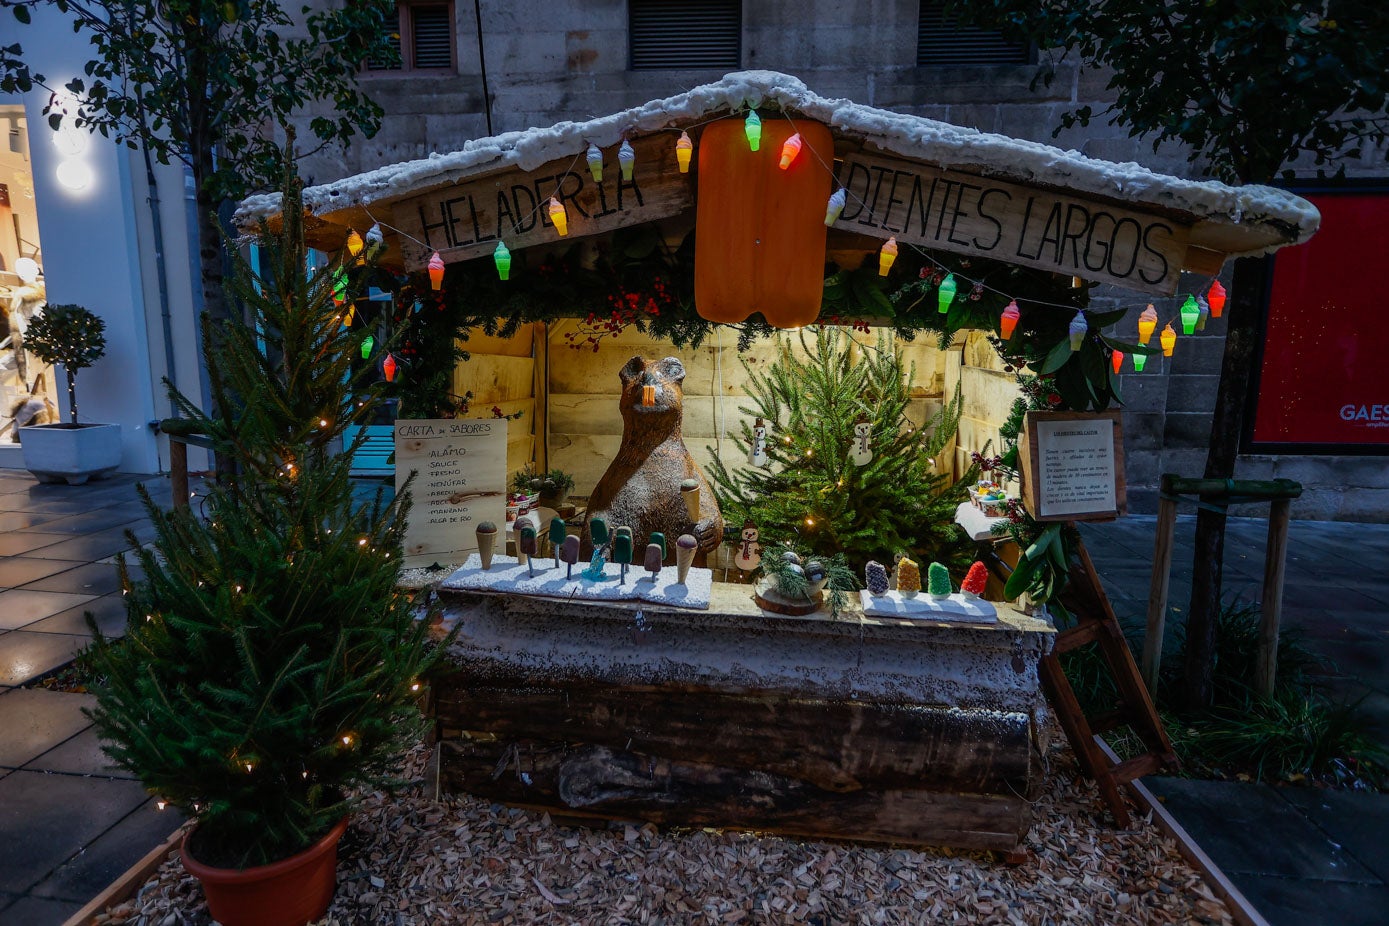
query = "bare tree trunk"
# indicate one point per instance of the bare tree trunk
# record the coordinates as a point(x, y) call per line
point(1236, 368)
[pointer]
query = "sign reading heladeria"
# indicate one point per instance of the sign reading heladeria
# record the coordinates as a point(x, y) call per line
point(1073, 465)
point(467, 220)
point(969, 214)
point(460, 481)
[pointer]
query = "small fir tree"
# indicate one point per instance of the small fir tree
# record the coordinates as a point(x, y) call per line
point(271, 665)
point(811, 493)
point(72, 336)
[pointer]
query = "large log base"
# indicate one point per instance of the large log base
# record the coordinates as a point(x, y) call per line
point(557, 706)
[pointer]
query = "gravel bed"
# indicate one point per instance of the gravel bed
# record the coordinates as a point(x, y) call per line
point(408, 860)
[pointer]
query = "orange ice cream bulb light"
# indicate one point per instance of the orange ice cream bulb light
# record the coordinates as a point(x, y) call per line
point(559, 217)
point(684, 149)
point(790, 149)
point(1008, 322)
point(886, 256)
point(436, 271)
point(1169, 340)
point(1116, 360)
point(388, 367)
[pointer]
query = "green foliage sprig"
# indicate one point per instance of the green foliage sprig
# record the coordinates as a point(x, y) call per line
point(71, 335)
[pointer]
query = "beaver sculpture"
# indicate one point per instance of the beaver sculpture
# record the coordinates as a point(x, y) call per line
point(641, 487)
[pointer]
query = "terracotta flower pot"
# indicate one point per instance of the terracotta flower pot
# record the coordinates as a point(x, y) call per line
point(288, 893)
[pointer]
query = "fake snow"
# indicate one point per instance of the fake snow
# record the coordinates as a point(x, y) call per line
point(953, 609)
point(508, 575)
point(949, 146)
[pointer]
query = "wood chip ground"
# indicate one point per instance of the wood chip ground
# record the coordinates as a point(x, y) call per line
point(407, 860)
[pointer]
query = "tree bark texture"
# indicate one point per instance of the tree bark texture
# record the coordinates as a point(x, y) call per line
point(1236, 369)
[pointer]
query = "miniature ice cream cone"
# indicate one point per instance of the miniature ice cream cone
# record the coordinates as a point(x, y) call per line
point(938, 582)
point(685, 548)
point(908, 576)
point(689, 491)
point(486, 543)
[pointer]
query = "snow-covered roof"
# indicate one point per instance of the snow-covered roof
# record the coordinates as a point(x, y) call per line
point(1233, 221)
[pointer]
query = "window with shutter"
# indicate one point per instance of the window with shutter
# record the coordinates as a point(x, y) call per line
point(942, 42)
point(422, 35)
point(390, 24)
point(684, 34)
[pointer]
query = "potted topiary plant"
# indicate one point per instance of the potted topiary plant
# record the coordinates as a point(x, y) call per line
point(73, 336)
point(271, 668)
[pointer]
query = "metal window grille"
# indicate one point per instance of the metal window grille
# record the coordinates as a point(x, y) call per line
point(941, 42)
point(390, 23)
point(666, 34)
point(431, 28)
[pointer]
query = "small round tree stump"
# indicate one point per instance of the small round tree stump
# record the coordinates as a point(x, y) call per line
point(768, 599)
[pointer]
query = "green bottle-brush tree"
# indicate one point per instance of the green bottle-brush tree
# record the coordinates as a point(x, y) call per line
point(271, 665)
point(811, 493)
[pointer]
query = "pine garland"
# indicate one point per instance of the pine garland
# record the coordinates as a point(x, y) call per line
point(271, 666)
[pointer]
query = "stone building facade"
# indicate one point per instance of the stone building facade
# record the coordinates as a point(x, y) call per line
point(506, 65)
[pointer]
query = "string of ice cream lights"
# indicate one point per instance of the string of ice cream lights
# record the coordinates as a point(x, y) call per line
point(1192, 314)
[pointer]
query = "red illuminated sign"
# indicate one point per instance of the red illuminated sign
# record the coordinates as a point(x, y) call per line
point(1324, 375)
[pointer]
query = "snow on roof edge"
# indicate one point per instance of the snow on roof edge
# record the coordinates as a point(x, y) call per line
point(917, 137)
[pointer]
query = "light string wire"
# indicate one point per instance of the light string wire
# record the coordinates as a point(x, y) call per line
point(921, 251)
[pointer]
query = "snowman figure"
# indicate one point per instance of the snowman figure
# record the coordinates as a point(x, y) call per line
point(757, 456)
point(862, 453)
point(749, 555)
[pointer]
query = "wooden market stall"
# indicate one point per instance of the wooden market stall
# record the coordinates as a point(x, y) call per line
point(851, 725)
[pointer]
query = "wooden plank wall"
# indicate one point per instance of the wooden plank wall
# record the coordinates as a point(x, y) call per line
point(585, 426)
point(989, 394)
point(502, 372)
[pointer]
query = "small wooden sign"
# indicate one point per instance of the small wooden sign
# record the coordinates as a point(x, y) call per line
point(1073, 465)
point(969, 214)
point(460, 467)
point(466, 220)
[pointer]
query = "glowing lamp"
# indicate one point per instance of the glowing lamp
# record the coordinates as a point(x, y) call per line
point(1205, 308)
point(436, 272)
point(886, 256)
point(354, 242)
point(367, 344)
point(1009, 320)
point(1077, 330)
point(559, 217)
point(1191, 314)
point(752, 128)
point(684, 149)
point(376, 241)
point(1147, 321)
point(1116, 360)
point(1138, 361)
point(595, 163)
point(835, 207)
point(388, 367)
point(790, 149)
point(947, 293)
point(340, 288)
point(28, 270)
point(502, 257)
point(1168, 339)
point(1216, 297)
point(626, 159)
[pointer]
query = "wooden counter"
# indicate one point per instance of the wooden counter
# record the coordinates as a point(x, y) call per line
point(860, 728)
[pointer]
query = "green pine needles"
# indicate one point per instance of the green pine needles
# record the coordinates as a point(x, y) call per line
point(271, 664)
point(811, 494)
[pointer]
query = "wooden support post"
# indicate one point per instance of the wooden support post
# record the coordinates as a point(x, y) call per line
point(178, 471)
point(1157, 591)
point(1274, 560)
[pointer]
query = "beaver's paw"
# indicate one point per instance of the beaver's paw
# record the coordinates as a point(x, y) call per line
point(709, 535)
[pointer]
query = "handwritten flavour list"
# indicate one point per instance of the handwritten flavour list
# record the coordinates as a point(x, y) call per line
point(1076, 467)
point(460, 467)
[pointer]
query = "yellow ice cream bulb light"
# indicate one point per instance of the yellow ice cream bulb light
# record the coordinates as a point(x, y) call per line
point(835, 207)
point(354, 242)
point(627, 159)
point(887, 256)
point(595, 164)
point(1147, 321)
point(1168, 340)
point(684, 150)
point(559, 216)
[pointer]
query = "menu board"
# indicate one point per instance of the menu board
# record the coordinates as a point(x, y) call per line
point(460, 481)
point(1073, 465)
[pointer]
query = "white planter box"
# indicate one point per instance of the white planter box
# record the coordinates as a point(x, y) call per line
point(59, 453)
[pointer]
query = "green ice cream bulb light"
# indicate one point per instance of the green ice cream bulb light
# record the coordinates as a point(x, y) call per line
point(1191, 314)
point(502, 257)
point(367, 343)
point(948, 288)
point(1138, 361)
point(752, 128)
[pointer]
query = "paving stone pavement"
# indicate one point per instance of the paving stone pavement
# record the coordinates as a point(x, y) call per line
point(70, 824)
point(1303, 857)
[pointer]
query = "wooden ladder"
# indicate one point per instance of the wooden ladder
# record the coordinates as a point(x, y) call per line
point(1095, 623)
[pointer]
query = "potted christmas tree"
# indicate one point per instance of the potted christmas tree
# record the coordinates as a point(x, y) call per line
point(73, 336)
point(271, 669)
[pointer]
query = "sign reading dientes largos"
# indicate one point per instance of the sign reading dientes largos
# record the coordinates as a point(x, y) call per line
point(969, 214)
